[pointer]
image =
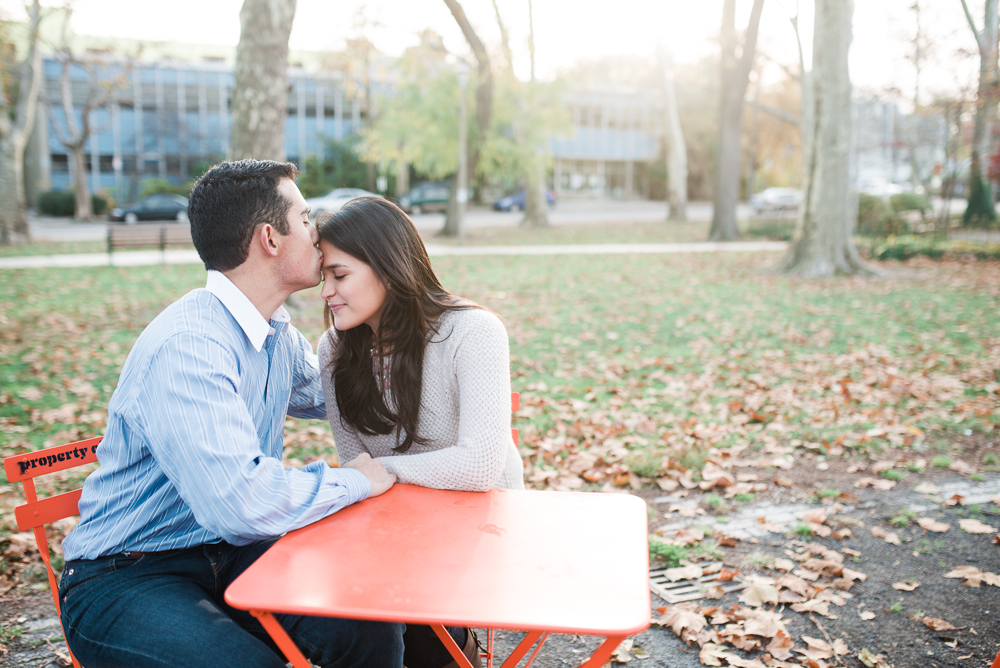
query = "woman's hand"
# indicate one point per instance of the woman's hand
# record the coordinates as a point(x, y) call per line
point(380, 479)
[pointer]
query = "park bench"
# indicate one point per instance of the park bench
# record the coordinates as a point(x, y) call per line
point(161, 236)
point(36, 513)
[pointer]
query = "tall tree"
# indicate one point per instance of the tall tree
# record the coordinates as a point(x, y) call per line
point(260, 97)
point(734, 77)
point(677, 165)
point(484, 94)
point(14, 134)
point(980, 207)
point(823, 244)
point(536, 208)
point(75, 129)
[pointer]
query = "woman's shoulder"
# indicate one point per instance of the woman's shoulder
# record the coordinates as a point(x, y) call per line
point(325, 347)
point(471, 319)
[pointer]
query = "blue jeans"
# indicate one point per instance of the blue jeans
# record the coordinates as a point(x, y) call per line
point(167, 610)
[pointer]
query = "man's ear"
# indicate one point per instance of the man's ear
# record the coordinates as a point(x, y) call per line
point(267, 238)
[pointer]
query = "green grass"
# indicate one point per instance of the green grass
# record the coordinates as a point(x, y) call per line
point(893, 474)
point(665, 554)
point(829, 493)
point(802, 530)
point(903, 517)
point(896, 607)
point(663, 344)
point(977, 477)
point(990, 459)
point(55, 248)
point(941, 461)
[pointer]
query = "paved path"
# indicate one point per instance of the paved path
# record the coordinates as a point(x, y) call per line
point(139, 258)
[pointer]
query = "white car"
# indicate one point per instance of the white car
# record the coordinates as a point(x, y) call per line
point(776, 199)
point(335, 199)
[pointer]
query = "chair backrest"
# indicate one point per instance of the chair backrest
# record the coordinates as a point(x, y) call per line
point(515, 403)
point(36, 513)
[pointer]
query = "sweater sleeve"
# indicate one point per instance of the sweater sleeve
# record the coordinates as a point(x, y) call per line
point(482, 371)
point(348, 444)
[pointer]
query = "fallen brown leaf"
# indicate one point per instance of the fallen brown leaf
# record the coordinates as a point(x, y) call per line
point(975, 526)
point(936, 624)
point(932, 525)
point(909, 585)
point(867, 615)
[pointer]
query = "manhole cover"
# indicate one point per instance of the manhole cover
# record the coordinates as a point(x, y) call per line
point(691, 589)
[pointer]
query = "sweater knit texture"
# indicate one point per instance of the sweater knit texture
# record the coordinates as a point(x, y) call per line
point(464, 411)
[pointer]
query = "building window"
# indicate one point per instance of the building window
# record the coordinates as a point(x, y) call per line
point(60, 162)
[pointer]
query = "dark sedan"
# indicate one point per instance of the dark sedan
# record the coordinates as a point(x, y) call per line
point(154, 207)
point(516, 201)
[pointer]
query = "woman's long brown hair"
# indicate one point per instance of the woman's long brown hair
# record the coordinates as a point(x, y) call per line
point(378, 233)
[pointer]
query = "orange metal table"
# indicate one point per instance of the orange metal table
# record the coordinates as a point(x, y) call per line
point(540, 562)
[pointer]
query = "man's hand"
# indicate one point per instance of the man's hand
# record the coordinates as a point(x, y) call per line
point(380, 479)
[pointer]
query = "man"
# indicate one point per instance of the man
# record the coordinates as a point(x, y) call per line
point(191, 489)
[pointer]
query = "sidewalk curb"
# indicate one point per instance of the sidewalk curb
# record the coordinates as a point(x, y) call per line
point(144, 258)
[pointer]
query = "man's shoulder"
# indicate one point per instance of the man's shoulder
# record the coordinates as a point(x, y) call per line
point(198, 313)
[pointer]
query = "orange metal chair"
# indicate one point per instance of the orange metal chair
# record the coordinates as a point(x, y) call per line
point(996, 661)
point(515, 403)
point(35, 514)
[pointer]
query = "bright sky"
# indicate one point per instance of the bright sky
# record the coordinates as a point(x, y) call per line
point(570, 30)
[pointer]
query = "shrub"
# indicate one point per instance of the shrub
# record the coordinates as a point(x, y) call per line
point(60, 203)
point(909, 202)
point(876, 218)
point(159, 187)
point(56, 203)
point(98, 204)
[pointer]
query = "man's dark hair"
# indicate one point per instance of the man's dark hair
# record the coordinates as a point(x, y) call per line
point(229, 202)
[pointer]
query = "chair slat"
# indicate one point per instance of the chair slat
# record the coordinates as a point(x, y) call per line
point(33, 464)
point(39, 513)
point(515, 401)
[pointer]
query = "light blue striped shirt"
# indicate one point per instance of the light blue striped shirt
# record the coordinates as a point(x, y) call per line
point(192, 450)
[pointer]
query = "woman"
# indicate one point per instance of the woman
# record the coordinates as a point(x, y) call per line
point(413, 376)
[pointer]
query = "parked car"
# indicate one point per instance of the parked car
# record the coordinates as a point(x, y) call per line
point(426, 196)
point(154, 207)
point(335, 199)
point(517, 200)
point(776, 199)
point(879, 186)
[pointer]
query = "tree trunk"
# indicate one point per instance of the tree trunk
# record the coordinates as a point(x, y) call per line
point(451, 213)
point(536, 211)
point(80, 190)
point(536, 206)
point(980, 211)
point(734, 77)
point(14, 226)
point(402, 178)
point(260, 97)
point(677, 167)
point(823, 244)
point(8, 199)
point(484, 94)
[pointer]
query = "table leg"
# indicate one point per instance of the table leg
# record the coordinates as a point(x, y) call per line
point(450, 645)
point(603, 652)
point(281, 639)
point(522, 648)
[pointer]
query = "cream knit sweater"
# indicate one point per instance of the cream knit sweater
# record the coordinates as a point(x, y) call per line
point(464, 411)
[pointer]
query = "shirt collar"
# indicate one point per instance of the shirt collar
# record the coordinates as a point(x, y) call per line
point(242, 309)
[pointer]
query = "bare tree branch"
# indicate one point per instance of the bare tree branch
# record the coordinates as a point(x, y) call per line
point(776, 112)
point(972, 24)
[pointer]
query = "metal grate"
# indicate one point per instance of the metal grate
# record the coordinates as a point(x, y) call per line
point(692, 589)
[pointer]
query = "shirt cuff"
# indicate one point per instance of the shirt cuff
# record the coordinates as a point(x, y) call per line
point(356, 483)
